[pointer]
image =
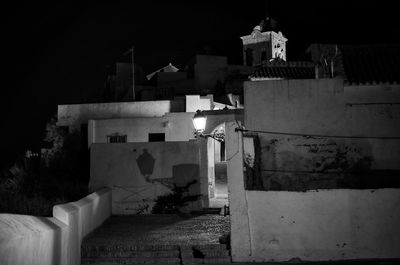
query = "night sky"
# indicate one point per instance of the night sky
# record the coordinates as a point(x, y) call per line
point(59, 53)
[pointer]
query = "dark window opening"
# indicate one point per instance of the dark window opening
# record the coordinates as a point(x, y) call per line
point(222, 151)
point(116, 138)
point(263, 56)
point(249, 57)
point(156, 137)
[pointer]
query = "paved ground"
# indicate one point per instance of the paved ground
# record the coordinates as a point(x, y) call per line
point(348, 262)
point(160, 230)
point(173, 235)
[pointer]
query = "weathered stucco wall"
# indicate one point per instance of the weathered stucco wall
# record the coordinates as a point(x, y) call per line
point(77, 114)
point(325, 107)
point(317, 225)
point(140, 172)
point(324, 224)
point(53, 240)
point(177, 126)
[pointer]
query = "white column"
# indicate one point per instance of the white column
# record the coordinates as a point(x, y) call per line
point(240, 230)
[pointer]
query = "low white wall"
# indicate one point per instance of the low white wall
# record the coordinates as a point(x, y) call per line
point(324, 225)
point(26, 240)
point(54, 240)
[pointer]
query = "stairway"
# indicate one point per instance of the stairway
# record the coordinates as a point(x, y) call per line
point(205, 254)
point(214, 210)
point(155, 254)
point(159, 239)
point(135, 255)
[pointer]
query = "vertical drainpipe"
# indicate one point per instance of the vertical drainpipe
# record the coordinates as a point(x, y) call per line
point(316, 71)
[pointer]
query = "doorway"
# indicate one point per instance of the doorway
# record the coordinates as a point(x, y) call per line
point(218, 181)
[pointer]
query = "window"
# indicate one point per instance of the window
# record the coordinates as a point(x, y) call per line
point(156, 137)
point(116, 138)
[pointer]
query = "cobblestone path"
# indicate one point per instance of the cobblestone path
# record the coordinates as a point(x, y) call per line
point(158, 239)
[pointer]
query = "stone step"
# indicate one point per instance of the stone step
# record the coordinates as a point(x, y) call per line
point(132, 261)
point(225, 260)
point(128, 247)
point(206, 211)
point(205, 254)
point(210, 247)
point(130, 254)
point(155, 254)
point(202, 254)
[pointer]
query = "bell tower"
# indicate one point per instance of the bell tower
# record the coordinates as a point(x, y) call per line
point(262, 46)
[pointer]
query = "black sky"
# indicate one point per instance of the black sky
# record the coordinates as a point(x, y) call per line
point(58, 53)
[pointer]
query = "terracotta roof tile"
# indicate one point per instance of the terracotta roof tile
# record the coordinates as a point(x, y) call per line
point(284, 70)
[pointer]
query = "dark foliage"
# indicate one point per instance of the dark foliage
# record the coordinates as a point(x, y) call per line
point(34, 184)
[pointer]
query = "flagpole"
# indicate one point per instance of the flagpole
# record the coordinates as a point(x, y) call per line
point(133, 75)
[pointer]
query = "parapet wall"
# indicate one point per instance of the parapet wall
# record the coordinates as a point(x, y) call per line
point(53, 240)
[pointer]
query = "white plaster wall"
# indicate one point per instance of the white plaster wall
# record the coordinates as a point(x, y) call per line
point(30, 240)
point(76, 114)
point(324, 225)
point(93, 210)
point(177, 126)
point(316, 225)
point(320, 106)
point(217, 151)
point(195, 102)
point(337, 224)
point(118, 166)
point(211, 167)
point(328, 107)
point(136, 129)
point(54, 240)
point(240, 236)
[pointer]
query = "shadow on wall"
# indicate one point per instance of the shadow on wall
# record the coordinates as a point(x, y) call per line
point(145, 163)
point(185, 191)
point(183, 174)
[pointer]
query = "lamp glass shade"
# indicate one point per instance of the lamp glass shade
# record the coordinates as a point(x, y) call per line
point(199, 121)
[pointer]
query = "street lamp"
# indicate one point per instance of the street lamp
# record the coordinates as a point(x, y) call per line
point(199, 123)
